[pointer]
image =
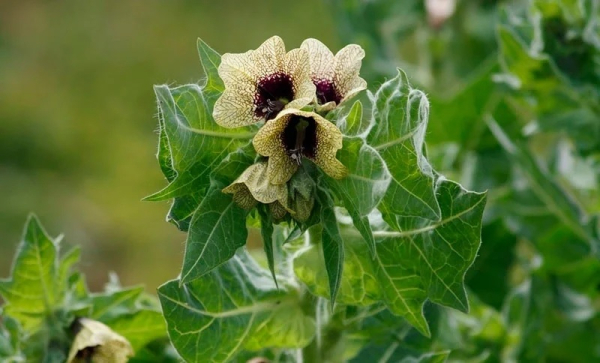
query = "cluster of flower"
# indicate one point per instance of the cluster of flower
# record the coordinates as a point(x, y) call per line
point(290, 92)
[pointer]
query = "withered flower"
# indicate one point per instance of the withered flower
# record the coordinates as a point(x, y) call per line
point(253, 186)
point(96, 342)
point(294, 135)
point(262, 82)
point(336, 77)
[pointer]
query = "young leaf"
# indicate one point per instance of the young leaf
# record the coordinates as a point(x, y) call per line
point(34, 289)
point(332, 245)
point(235, 307)
point(107, 305)
point(266, 230)
point(364, 187)
point(217, 230)
point(401, 114)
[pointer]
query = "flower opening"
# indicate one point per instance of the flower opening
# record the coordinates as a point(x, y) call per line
point(294, 135)
point(260, 83)
point(336, 78)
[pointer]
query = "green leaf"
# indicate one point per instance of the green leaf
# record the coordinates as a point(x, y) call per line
point(395, 353)
point(266, 230)
point(38, 283)
point(108, 305)
point(364, 187)
point(217, 230)
point(139, 328)
point(234, 307)
point(423, 260)
point(191, 144)
point(352, 123)
point(401, 115)
point(10, 340)
point(210, 63)
point(543, 186)
point(331, 244)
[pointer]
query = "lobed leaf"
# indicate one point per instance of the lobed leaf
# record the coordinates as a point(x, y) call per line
point(234, 307)
point(400, 114)
point(420, 260)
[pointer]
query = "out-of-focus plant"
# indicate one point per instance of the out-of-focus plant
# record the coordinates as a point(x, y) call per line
point(514, 89)
point(50, 316)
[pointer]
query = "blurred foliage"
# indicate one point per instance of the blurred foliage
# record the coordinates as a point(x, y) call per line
point(77, 128)
point(515, 93)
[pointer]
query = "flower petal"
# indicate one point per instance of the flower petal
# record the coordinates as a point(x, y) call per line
point(297, 65)
point(329, 141)
point(269, 57)
point(321, 59)
point(241, 195)
point(347, 68)
point(268, 142)
point(235, 108)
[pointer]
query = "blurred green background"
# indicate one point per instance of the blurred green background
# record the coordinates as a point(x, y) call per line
point(77, 116)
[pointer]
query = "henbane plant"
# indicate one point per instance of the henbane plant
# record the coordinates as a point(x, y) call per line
point(355, 222)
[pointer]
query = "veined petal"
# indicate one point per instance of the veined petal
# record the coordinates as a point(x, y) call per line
point(295, 134)
point(321, 59)
point(336, 77)
point(297, 64)
point(234, 108)
point(254, 184)
point(241, 195)
point(260, 83)
point(329, 141)
point(347, 68)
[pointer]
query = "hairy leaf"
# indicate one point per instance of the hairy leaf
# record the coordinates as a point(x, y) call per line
point(216, 231)
point(401, 115)
point(364, 187)
point(233, 308)
point(421, 260)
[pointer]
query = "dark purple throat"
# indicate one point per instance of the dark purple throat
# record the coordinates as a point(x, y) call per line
point(326, 91)
point(300, 138)
point(273, 93)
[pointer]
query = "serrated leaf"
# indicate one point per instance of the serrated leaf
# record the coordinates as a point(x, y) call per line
point(423, 260)
point(401, 115)
point(139, 328)
point(34, 289)
point(217, 230)
point(331, 244)
point(191, 144)
point(234, 307)
point(364, 186)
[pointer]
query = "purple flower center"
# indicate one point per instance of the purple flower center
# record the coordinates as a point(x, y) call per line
point(273, 93)
point(300, 138)
point(326, 91)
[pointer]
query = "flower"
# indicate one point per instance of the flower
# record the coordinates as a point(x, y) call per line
point(294, 135)
point(336, 78)
point(253, 186)
point(262, 82)
point(96, 342)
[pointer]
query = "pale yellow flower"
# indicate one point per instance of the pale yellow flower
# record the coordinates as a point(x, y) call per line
point(336, 77)
point(253, 186)
point(294, 135)
point(96, 342)
point(262, 82)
